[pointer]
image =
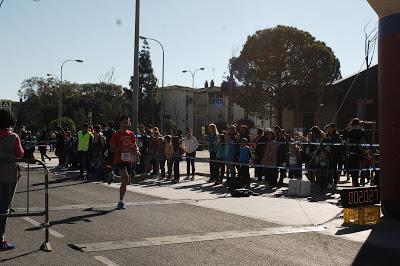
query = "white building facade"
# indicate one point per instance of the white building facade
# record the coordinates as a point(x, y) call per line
point(196, 108)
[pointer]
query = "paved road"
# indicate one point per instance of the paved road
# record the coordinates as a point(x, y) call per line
point(160, 231)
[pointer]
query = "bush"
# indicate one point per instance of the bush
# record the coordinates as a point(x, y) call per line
point(66, 122)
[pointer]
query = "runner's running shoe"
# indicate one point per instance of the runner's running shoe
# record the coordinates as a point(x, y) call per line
point(6, 246)
point(121, 205)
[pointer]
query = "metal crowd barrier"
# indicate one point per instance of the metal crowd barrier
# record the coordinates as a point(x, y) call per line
point(286, 167)
point(46, 244)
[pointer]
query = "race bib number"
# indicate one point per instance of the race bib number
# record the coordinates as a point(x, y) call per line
point(126, 156)
point(292, 160)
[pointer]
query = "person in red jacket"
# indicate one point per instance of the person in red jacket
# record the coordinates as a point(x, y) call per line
point(10, 149)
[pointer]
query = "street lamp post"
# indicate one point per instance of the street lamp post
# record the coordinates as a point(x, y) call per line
point(162, 78)
point(193, 73)
point(60, 88)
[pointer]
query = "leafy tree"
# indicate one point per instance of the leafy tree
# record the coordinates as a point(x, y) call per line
point(106, 101)
point(40, 105)
point(282, 66)
point(149, 107)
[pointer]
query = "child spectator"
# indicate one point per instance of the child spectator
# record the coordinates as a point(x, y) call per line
point(294, 161)
point(324, 169)
point(230, 157)
point(221, 153)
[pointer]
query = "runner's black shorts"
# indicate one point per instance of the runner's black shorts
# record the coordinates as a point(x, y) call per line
point(123, 166)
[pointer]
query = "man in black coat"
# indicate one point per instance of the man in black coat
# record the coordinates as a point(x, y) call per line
point(354, 136)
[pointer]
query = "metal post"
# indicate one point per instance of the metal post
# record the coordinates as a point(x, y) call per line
point(60, 89)
point(135, 88)
point(60, 97)
point(162, 92)
point(162, 80)
point(193, 73)
point(46, 244)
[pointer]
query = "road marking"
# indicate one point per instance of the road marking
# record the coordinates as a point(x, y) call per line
point(106, 205)
point(179, 239)
point(51, 231)
point(105, 261)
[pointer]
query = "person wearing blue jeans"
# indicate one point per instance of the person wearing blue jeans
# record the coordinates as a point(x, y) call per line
point(212, 140)
point(10, 149)
point(190, 145)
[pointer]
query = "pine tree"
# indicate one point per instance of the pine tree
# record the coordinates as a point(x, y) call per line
point(149, 106)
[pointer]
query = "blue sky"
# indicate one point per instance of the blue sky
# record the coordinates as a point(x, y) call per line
point(36, 37)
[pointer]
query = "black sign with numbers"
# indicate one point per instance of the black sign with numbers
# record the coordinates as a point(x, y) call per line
point(360, 196)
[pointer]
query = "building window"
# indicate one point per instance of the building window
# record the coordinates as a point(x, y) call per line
point(215, 98)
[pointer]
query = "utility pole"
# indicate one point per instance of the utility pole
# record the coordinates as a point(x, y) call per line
point(135, 84)
point(230, 82)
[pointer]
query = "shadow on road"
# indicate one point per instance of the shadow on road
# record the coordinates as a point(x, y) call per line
point(328, 195)
point(75, 219)
point(19, 256)
point(85, 218)
point(382, 246)
point(52, 187)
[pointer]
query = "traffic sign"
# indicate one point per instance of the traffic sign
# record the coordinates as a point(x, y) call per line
point(5, 104)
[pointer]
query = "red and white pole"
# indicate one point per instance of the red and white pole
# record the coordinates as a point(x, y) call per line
point(389, 107)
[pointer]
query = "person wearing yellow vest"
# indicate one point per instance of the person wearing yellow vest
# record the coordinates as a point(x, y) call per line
point(85, 139)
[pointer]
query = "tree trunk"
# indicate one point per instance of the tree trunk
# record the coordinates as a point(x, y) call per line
point(297, 112)
point(280, 116)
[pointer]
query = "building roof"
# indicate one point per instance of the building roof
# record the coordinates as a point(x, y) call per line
point(352, 75)
point(178, 87)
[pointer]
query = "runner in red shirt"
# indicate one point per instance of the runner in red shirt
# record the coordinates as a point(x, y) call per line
point(125, 150)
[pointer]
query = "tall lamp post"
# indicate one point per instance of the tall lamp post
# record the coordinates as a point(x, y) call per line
point(193, 73)
point(162, 78)
point(60, 89)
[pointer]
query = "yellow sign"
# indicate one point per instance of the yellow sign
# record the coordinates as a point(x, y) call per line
point(5, 105)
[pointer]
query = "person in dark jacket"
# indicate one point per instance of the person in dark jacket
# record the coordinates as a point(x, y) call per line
point(354, 136)
point(143, 143)
point(244, 158)
point(282, 154)
point(60, 147)
point(260, 141)
point(108, 131)
point(42, 142)
point(315, 138)
point(336, 151)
